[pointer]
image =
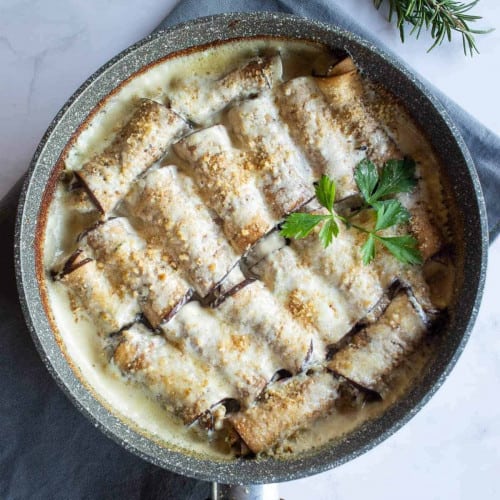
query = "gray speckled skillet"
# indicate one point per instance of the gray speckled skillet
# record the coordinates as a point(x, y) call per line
point(378, 66)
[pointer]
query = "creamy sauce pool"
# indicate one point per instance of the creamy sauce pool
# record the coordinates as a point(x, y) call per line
point(81, 344)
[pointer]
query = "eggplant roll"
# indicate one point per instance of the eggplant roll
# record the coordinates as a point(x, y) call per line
point(367, 120)
point(199, 98)
point(311, 300)
point(143, 140)
point(285, 176)
point(331, 149)
point(397, 123)
point(91, 292)
point(377, 349)
point(390, 270)
point(186, 385)
point(130, 263)
point(254, 310)
point(226, 186)
point(171, 215)
point(344, 91)
point(340, 265)
point(242, 357)
point(284, 408)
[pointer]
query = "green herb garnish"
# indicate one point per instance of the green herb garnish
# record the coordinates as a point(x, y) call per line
point(299, 225)
point(396, 176)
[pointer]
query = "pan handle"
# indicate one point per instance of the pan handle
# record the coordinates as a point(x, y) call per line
point(244, 492)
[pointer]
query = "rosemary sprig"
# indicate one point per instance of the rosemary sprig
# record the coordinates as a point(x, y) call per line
point(442, 17)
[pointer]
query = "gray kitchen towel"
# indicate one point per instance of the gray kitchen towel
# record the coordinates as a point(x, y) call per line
point(48, 450)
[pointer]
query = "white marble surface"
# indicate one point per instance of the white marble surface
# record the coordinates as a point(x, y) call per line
point(451, 449)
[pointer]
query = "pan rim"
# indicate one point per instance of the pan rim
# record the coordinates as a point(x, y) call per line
point(238, 471)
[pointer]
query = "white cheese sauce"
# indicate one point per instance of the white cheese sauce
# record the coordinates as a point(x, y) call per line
point(78, 337)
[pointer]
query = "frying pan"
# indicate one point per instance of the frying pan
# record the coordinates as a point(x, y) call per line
point(469, 212)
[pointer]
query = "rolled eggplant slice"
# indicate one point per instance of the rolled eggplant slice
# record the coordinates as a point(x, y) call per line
point(390, 270)
point(286, 407)
point(377, 349)
point(400, 127)
point(90, 292)
point(130, 263)
point(330, 149)
point(254, 310)
point(285, 176)
point(226, 186)
point(312, 302)
point(439, 277)
point(200, 98)
point(367, 120)
point(344, 91)
point(143, 140)
point(246, 362)
point(170, 214)
point(186, 385)
point(429, 237)
point(340, 265)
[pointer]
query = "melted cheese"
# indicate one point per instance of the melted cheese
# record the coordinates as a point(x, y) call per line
point(311, 301)
point(255, 310)
point(143, 140)
point(204, 356)
point(226, 186)
point(330, 150)
point(199, 98)
point(172, 216)
point(246, 362)
point(129, 263)
point(285, 174)
point(341, 266)
point(92, 293)
point(189, 386)
point(374, 351)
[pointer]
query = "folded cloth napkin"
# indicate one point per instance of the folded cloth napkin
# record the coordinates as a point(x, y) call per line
point(47, 448)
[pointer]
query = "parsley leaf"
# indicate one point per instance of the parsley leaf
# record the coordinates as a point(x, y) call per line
point(325, 192)
point(366, 177)
point(404, 248)
point(329, 230)
point(299, 225)
point(368, 249)
point(397, 176)
point(390, 213)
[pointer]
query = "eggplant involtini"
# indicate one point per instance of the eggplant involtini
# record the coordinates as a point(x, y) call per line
point(176, 266)
point(107, 177)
